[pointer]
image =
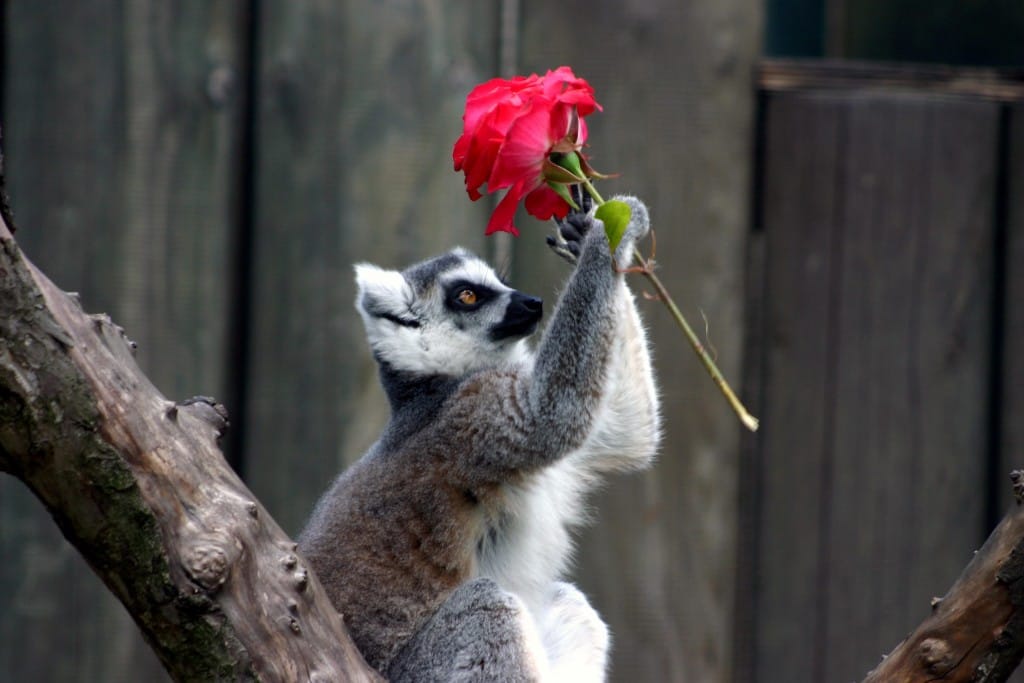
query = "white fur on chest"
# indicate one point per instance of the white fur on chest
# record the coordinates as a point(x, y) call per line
point(530, 544)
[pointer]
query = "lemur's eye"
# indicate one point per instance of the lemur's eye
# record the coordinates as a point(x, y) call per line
point(465, 297)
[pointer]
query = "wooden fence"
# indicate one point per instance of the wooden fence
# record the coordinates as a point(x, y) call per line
point(207, 171)
point(884, 335)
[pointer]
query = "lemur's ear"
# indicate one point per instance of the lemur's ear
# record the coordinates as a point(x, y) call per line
point(384, 295)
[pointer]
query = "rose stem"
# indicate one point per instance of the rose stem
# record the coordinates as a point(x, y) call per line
point(748, 420)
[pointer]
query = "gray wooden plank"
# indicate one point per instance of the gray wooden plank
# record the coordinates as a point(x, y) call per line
point(803, 158)
point(750, 465)
point(907, 495)
point(779, 75)
point(1012, 401)
point(875, 495)
point(120, 128)
point(359, 104)
point(674, 81)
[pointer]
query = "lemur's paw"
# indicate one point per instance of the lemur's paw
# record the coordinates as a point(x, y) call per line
point(570, 231)
point(567, 240)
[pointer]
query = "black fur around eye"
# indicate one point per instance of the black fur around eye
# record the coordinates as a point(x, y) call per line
point(465, 296)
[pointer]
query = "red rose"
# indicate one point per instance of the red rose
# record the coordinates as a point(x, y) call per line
point(510, 128)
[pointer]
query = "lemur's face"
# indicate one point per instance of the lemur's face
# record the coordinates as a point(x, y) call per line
point(449, 315)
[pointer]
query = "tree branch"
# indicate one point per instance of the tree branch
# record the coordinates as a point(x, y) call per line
point(138, 484)
point(976, 632)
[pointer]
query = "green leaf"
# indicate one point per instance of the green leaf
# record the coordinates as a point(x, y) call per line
point(563, 192)
point(615, 216)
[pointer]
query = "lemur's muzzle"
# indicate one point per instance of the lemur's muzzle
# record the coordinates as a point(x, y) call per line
point(521, 317)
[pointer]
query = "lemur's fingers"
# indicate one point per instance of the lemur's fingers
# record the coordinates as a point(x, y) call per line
point(582, 199)
point(574, 192)
point(579, 222)
point(566, 240)
point(567, 250)
point(573, 229)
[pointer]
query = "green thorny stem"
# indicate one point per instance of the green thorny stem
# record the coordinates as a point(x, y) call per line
point(645, 268)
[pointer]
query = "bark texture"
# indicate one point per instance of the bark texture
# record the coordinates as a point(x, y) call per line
point(976, 632)
point(139, 485)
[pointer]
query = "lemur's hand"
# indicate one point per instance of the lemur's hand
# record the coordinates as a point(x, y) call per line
point(567, 241)
point(639, 226)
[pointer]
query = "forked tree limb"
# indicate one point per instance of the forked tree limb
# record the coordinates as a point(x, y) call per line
point(976, 632)
point(139, 485)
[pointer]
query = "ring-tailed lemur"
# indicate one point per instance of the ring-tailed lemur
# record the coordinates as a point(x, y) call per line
point(444, 545)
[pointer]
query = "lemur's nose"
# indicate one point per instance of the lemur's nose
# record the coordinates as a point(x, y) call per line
point(533, 304)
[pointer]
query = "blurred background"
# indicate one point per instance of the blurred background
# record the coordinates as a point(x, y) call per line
point(837, 185)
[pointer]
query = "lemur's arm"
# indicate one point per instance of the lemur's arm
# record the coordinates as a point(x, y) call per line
point(627, 428)
point(626, 432)
point(568, 375)
point(535, 417)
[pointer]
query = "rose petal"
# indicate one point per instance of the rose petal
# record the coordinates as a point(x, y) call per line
point(505, 211)
point(480, 160)
point(560, 121)
point(581, 132)
point(543, 203)
point(581, 98)
point(564, 86)
point(460, 150)
point(486, 96)
point(527, 142)
point(510, 127)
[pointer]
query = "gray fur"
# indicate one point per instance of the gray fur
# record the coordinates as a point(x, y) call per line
point(487, 445)
point(476, 636)
point(422, 275)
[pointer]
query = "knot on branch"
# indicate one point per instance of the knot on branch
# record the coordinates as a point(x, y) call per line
point(210, 411)
point(936, 655)
point(299, 575)
point(209, 559)
point(112, 334)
